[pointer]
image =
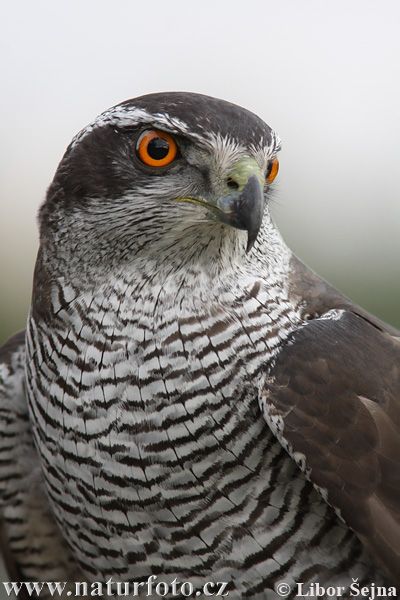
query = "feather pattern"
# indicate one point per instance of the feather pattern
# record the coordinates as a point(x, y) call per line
point(130, 409)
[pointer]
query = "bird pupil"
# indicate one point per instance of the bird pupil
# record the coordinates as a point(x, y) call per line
point(158, 148)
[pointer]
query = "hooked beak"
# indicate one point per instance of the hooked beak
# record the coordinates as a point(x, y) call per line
point(244, 210)
point(244, 207)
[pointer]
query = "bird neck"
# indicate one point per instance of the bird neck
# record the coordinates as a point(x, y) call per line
point(181, 274)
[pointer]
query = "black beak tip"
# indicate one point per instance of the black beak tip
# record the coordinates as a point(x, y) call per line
point(252, 208)
point(245, 210)
point(250, 241)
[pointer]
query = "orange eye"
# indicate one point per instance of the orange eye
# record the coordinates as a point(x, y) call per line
point(273, 169)
point(156, 148)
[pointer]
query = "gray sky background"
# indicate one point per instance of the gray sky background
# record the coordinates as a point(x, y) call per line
point(324, 74)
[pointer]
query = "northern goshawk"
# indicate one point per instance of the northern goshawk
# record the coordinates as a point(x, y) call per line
point(188, 399)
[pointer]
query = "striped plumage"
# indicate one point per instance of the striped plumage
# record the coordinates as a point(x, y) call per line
point(147, 349)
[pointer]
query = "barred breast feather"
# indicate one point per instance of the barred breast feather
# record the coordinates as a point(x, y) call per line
point(189, 401)
point(155, 455)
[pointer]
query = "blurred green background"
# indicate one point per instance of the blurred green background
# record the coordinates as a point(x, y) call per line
point(324, 75)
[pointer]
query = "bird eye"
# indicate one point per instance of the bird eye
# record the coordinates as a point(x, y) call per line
point(156, 148)
point(272, 171)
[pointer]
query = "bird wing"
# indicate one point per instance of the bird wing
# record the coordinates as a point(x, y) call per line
point(332, 398)
point(11, 427)
point(31, 544)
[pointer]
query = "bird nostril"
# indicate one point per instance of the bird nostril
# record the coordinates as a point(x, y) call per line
point(232, 184)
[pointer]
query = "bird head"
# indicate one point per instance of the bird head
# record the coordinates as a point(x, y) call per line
point(167, 176)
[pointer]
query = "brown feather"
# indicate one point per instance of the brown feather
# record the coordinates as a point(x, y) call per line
point(336, 385)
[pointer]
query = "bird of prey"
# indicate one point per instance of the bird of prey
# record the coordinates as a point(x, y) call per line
point(188, 399)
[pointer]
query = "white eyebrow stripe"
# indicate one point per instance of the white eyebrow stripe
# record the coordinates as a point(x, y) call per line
point(225, 148)
point(267, 150)
point(132, 117)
